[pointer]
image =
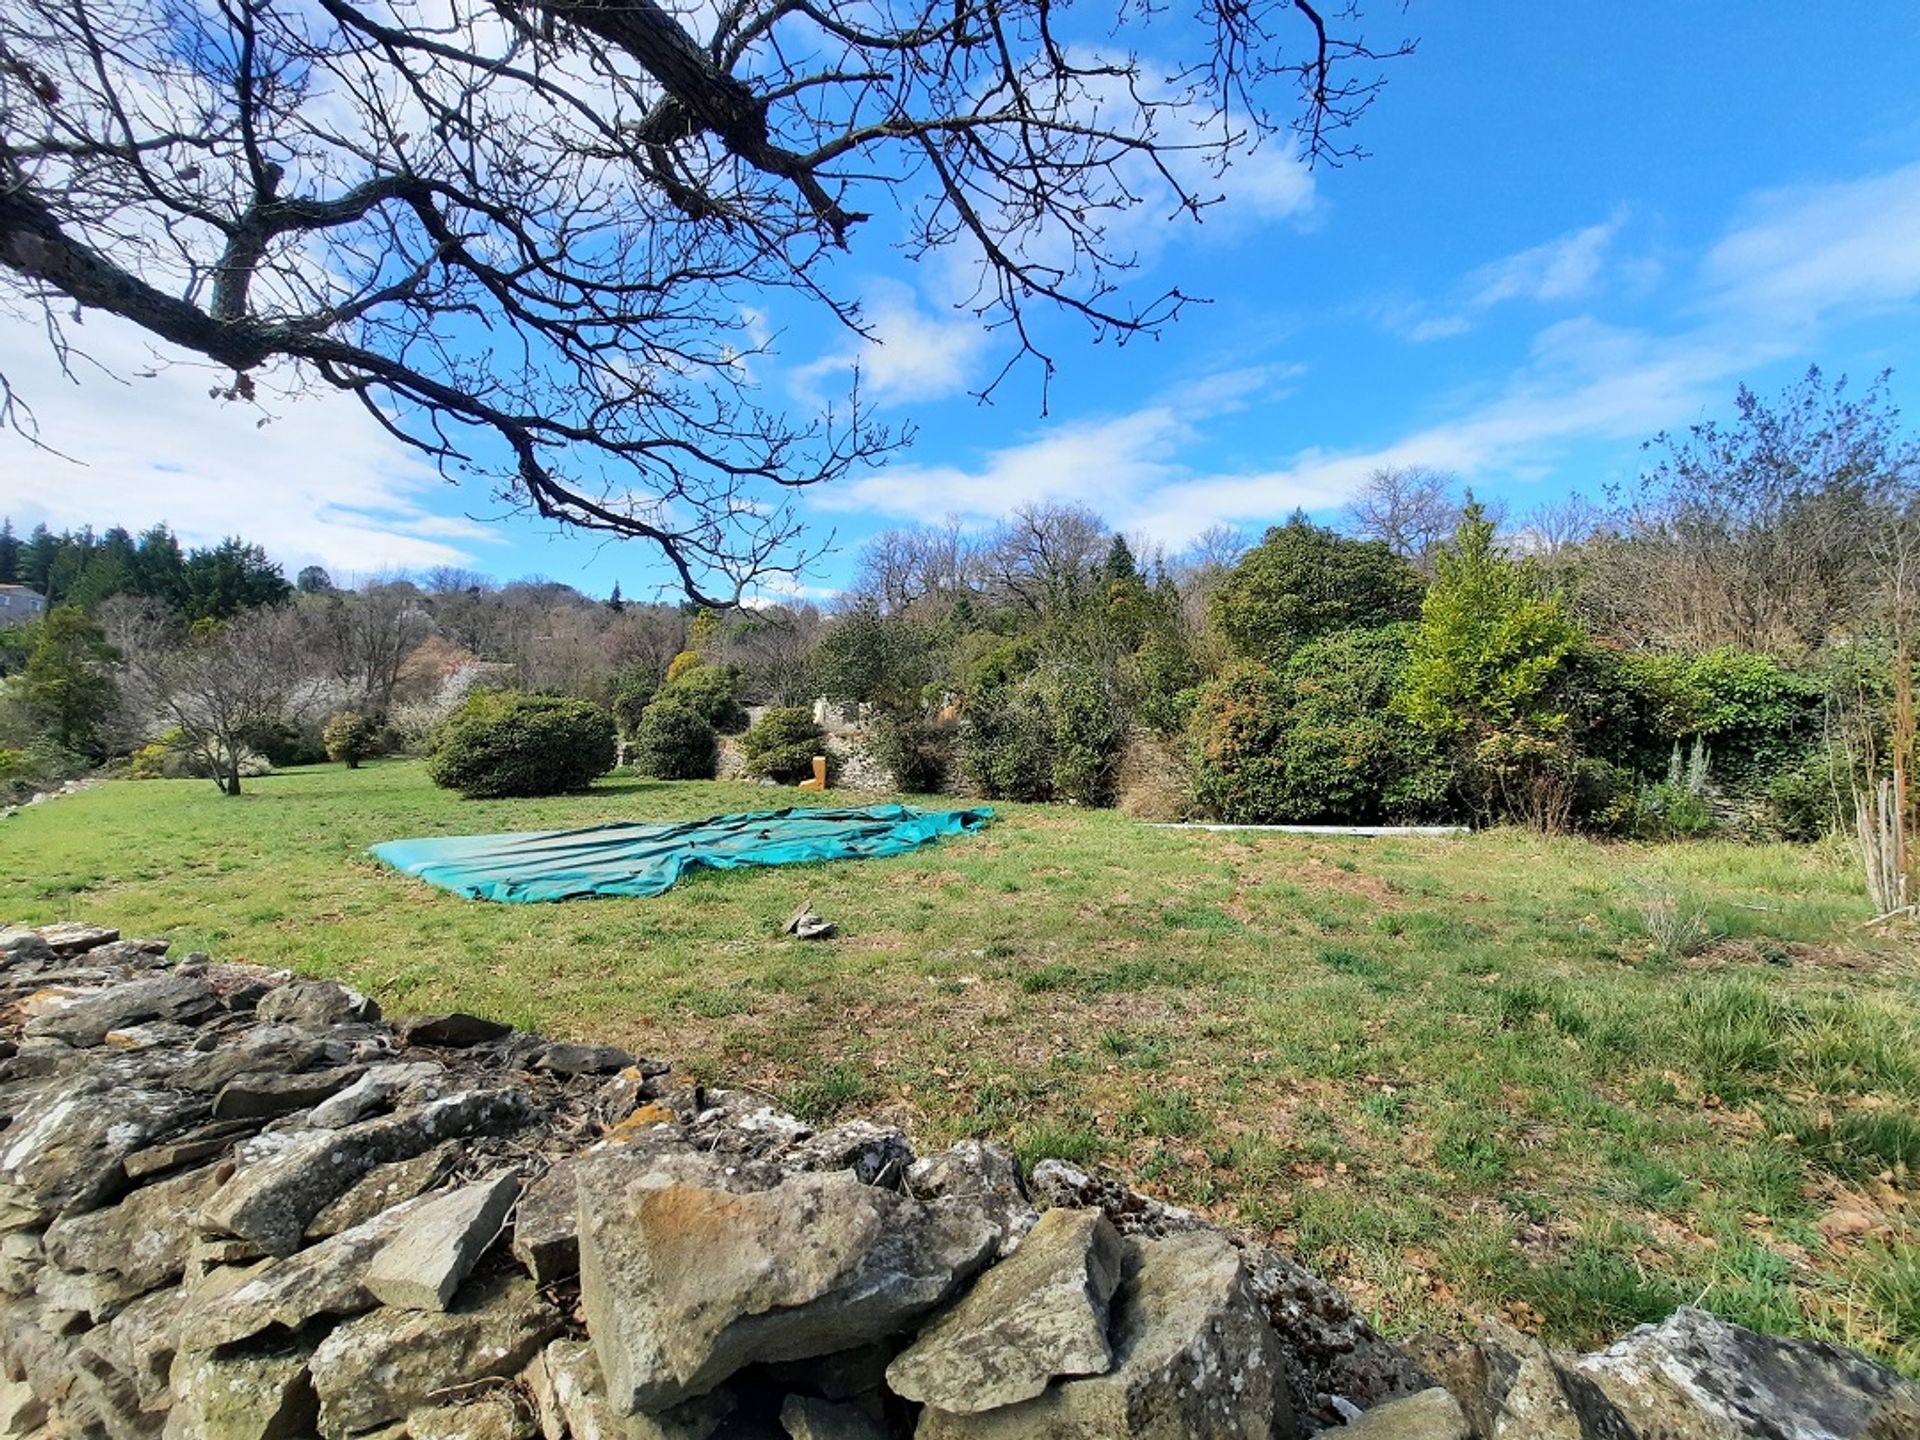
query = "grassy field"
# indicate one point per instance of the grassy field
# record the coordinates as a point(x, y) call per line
point(1456, 1076)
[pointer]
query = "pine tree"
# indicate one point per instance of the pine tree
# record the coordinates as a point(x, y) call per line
point(9, 553)
point(614, 601)
point(1492, 638)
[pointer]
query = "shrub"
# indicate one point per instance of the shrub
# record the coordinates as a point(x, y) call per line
point(348, 738)
point(917, 752)
point(782, 743)
point(1670, 811)
point(1006, 746)
point(501, 743)
point(1089, 731)
point(684, 664)
point(1809, 799)
point(866, 657)
point(709, 690)
point(1317, 741)
point(147, 762)
point(633, 691)
point(673, 741)
point(1303, 581)
point(290, 745)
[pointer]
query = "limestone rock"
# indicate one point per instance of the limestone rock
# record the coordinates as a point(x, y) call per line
point(315, 1005)
point(805, 1418)
point(1430, 1414)
point(564, 1059)
point(384, 1187)
point(272, 1201)
point(98, 1295)
point(982, 1175)
point(545, 1236)
point(140, 1239)
point(422, 1266)
point(265, 1049)
point(68, 938)
point(571, 1395)
point(1330, 1349)
point(202, 1143)
point(455, 1030)
point(1039, 1314)
point(259, 1395)
point(376, 1368)
point(324, 1279)
point(373, 1091)
point(1696, 1377)
point(1059, 1184)
point(1193, 1357)
point(684, 1280)
point(139, 1342)
point(164, 997)
point(491, 1417)
point(22, 1412)
point(262, 1096)
point(63, 1153)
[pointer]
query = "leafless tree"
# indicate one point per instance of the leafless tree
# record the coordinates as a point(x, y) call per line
point(223, 682)
point(363, 638)
point(646, 635)
point(1044, 554)
point(1554, 527)
point(1413, 508)
point(774, 650)
point(1758, 533)
point(900, 568)
point(527, 235)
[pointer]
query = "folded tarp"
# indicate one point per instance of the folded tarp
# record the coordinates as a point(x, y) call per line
point(628, 859)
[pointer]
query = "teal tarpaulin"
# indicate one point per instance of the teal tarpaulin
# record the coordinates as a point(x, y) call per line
point(629, 859)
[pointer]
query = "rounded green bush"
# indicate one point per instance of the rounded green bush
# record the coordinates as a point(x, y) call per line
point(673, 741)
point(1007, 745)
point(502, 743)
point(782, 743)
point(1317, 741)
point(917, 751)
point(348, 738)
point(711, 690)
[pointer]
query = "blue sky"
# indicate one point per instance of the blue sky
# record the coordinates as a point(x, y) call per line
point(1578, 225)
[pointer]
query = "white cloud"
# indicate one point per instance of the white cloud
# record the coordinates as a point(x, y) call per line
point(1801, 252)
point(913, 355)
point(1562, 269)
point(1565, 268)
point(1791, 260)
point(320, 483)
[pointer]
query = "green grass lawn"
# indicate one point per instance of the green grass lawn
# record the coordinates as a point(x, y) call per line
point(1447, 1073)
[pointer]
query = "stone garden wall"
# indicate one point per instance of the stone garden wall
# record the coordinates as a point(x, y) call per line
point(239, 1206)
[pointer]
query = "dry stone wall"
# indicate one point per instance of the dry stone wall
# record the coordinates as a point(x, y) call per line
point(241, 1206)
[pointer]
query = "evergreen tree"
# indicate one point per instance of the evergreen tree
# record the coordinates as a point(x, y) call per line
point(231, 577)
point(614, 601)
point(67, 687)
point(314, 580)
point(159, 568)
point(1119, 565)
point(1491, 640)
point(36, 560)
point(9, 553)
